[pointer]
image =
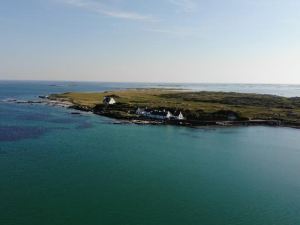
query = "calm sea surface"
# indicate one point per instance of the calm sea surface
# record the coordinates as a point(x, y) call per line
point(57, 168)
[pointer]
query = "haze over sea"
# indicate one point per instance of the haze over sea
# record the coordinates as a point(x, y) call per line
point(61, 168)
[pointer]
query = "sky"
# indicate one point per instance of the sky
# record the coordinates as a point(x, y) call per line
point(215, 41)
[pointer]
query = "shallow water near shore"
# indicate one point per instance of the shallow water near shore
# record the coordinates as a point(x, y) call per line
point(61, 168)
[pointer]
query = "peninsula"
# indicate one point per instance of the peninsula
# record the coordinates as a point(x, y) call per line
point(189, 108)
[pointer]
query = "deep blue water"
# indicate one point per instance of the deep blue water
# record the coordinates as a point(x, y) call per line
point(59, 168)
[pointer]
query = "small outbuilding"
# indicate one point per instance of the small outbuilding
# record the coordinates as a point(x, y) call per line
point(109, 100)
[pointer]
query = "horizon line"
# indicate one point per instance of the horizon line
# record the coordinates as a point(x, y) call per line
point(145, 82)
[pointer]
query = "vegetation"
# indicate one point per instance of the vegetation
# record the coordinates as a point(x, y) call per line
point(196, 106)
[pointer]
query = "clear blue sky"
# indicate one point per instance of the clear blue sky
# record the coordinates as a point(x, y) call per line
point(241, 41)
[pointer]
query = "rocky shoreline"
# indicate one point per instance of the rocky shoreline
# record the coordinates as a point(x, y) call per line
point(43, 100)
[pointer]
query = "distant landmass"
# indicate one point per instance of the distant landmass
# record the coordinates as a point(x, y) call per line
point(188, 108)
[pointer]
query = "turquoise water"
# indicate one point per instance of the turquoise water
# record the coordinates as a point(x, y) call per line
point(57, 168)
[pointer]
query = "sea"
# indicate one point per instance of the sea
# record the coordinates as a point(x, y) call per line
point(59, 168)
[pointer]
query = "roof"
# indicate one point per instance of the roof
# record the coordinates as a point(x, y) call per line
point(107, 99)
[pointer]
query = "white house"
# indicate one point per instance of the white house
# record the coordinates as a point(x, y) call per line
point(169, 115)
point(161, 115)
point(154, 114)
point(180, 116)
point(109, 100)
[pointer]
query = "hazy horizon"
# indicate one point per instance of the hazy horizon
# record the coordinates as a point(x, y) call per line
point(149, 82)
point(167, 41)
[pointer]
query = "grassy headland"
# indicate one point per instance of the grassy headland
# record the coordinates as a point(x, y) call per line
point(197, 107)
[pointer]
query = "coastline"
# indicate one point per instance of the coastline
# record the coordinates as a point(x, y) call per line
point(128, 102)
point(186, 123)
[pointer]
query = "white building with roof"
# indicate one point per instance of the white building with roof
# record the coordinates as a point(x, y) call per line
point(159, 114)
point(109, 100)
